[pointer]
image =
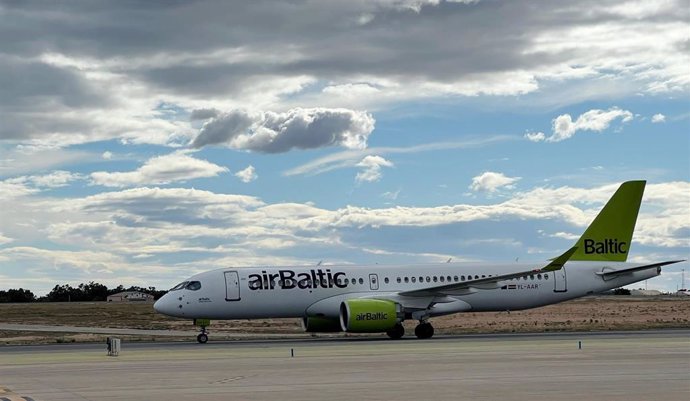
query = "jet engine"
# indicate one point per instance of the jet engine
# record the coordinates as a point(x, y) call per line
point(369, 315)
point(320, 325)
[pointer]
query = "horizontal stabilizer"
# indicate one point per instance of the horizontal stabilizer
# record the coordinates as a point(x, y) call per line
point(612, 273)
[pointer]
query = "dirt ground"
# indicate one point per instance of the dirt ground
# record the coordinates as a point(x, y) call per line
point(585, 314)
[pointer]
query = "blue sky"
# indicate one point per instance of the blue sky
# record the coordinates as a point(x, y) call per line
point(142, 143)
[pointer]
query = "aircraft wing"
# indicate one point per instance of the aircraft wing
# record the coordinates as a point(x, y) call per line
point(608, 274)
point(487, 283)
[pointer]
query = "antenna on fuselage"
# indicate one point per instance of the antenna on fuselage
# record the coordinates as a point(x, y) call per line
point(449, 259)
point(319, 264)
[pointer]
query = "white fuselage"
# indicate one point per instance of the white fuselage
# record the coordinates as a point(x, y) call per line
point(274, 292)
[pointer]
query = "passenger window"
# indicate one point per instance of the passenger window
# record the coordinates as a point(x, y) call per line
point(476, 277)
point(385, 280)
point(442, 278)
point(435, 279)
point(546, 276)
point(455, 278)
point(428, 279)
point(361, 280)
point(407, 279)
point(531, 276)
point(414, 279)
point(448, 278)
point(462, 278)
point(398, 279)
point(354, 281)
point(421, 279)
point(483, 276)
point(193, 285)
point(539, 276)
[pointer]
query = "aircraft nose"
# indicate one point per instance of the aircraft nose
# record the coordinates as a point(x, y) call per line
point(164, 305)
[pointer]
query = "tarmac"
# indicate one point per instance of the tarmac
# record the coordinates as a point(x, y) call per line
point(572, 366)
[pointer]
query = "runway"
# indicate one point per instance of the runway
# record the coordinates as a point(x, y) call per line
point(611, 366)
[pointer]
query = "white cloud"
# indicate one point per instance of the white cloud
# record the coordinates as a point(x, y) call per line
point(658, 118)
point(594, 120)
point(535, 136)
point(371, 168)
point(5, 240)
point(490, 181)
point(247, 175)
point(568, 236)
point(272, 132)
point(160, 170)
point(351, 90)
point(391, 195)
point(31, 184)
point(107, 155)
point(55, 179)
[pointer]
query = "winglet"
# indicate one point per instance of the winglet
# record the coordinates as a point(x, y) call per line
point(558, 263)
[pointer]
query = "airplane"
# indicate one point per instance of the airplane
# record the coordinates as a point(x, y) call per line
point(378, 298)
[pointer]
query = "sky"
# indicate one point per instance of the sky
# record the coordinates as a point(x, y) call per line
point(142, 142)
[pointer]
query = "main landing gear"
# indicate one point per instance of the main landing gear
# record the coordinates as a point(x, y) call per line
point(424, 330)
point(202, 338)
point(396, 332)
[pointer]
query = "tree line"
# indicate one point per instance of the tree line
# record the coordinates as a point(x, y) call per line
point(82, 293)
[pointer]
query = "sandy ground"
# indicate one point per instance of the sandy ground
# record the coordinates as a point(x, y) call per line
point(586, 314)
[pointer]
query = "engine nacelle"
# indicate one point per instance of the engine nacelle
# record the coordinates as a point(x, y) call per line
point(320, 325)
point(369, 315)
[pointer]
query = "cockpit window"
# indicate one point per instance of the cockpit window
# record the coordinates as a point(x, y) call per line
point(193, 285)
point(179, 286)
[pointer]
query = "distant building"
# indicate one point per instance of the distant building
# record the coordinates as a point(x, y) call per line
point(683, 292)
point(130, 296)
point(646, 293)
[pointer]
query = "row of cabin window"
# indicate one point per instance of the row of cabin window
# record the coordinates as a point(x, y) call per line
point(456, 279)
point(429, 279)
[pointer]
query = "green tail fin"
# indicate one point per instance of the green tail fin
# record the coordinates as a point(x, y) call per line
point(608, 237)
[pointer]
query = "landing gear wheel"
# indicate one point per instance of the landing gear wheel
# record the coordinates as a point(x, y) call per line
point(202, 338)
point(424, 331)
point(396, 332)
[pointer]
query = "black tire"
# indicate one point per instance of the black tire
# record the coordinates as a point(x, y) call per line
point(424, 331)
point(396, 332)
point(202, 338)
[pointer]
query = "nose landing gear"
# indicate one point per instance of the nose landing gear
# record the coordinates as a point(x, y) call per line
point(202, 338)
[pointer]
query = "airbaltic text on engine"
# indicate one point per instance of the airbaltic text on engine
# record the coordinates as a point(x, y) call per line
point(605, 246)
point(288, 279)
point(371, 316)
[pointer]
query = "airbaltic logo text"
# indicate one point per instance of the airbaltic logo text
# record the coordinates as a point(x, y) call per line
point(288, 279)
point(371, 316)
point(605, 246)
